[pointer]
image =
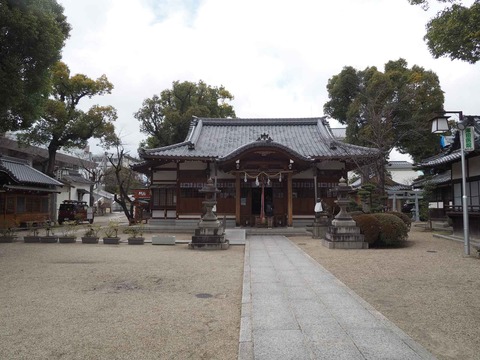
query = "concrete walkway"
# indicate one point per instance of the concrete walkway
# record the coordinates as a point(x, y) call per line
point(293, 308)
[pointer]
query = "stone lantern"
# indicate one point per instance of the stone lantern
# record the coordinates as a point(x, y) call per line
point(344, 232)
point(210, 232)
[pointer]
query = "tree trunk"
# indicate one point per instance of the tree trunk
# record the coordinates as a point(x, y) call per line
point(52, 154)
point(123, 204)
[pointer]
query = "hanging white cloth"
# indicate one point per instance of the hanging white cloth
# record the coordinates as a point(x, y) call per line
point(318, 207)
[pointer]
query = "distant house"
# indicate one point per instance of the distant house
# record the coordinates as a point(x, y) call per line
point(69, 171)
point(444, 172)
point(402, 172)
point(398, 186)
point(76, 187)
point(26, 194)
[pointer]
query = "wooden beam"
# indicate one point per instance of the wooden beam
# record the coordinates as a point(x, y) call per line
point(290, 201)
point(237, 199)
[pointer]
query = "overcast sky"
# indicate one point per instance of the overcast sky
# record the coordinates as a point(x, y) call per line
point(274, 56)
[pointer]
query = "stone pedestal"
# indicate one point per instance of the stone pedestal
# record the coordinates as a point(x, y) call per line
point(344, 233)
point(210, 233)
point(320, 226)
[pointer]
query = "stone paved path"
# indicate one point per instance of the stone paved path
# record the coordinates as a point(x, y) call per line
point(293, 308)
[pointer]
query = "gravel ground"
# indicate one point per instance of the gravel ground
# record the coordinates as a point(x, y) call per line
point(428, 289)
point(82, 301)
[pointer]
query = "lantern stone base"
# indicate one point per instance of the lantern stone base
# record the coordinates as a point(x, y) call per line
point(344, 235)
point(209, 242)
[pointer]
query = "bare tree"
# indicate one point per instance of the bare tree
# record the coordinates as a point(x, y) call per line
point(125, 177)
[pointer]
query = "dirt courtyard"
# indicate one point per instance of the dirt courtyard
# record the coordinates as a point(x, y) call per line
point(80, 301)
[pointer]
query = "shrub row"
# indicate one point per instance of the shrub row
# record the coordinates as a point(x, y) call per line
point(383, 229)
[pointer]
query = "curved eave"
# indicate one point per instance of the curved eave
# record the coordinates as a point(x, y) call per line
point(262, 144)
point(157, 152)
point(440, 160)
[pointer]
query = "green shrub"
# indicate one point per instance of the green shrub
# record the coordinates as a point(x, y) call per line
point(393, 231)
point(369, 227)
point(404, 217)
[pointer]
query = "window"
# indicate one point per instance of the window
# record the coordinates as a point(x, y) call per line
point(457, 194)
point(164, 196)
point(475, 193)
point(21, 204)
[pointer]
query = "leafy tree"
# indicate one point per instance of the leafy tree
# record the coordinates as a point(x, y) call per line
point(455, 31)
point(32, 34)
point(166, 118)
point(387, 109)
point(63, 125)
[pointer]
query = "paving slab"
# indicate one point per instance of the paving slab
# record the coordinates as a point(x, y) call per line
point(293, 308)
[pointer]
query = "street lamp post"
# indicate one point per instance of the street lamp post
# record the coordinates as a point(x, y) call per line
point(466, 235)
point(438, 126)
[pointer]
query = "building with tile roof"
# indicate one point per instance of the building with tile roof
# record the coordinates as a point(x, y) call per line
point(25, 193)
point(444, 172)
point(287, 163)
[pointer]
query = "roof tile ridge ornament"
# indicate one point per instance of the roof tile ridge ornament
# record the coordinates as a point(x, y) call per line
point(195, 132)
point(265, 137)
point(259, 121)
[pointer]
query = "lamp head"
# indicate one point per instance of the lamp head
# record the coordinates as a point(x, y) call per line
point(440, 124)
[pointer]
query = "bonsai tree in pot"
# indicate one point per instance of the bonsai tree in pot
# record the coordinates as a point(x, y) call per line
point(91, 235)
point(50, 236)
point(33, 236)
point(68, 232)
point(135, 233)
point(111, 233)
point(7, 234)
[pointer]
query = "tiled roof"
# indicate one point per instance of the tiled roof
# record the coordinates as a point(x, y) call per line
point(394, 165)
point(339, 133)
point(76, 178)
point(22, 173)
point(440, 159)
point(452, 152)
point(397, 187)
point(438, 179)
point(309, 138)
point(13, 148)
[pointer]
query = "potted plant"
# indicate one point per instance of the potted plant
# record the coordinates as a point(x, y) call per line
point(50, 236)
point(91, 235)
point(7, 234)
point(68, 232)
point(111, 233)
point(135, 233)
point(33, 236)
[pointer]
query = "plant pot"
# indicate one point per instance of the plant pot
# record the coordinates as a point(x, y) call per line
point(136, 240)
point(111, 240)
point(67, 239)
point(7, 239)
point(31, 239)
point(49, 239)
point(89, 240)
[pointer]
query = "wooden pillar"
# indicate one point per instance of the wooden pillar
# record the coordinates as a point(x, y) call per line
point(237, 199)
point(290, 200)
point(177, 192)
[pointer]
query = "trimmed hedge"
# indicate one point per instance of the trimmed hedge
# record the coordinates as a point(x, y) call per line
point(369, 226)
point(393, 231)
point(404, 217)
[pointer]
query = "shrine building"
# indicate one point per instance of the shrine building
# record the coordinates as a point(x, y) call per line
point(264, 168)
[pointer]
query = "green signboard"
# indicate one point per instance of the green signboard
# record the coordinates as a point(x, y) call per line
point(469, 139)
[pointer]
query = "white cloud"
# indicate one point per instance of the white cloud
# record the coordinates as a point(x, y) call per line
point(274, 56)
